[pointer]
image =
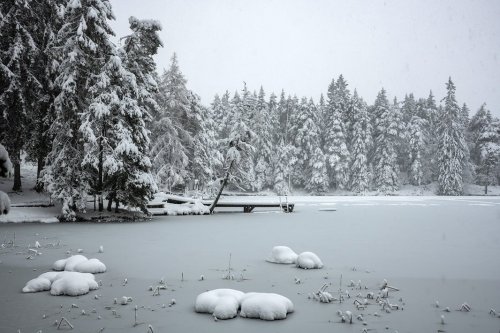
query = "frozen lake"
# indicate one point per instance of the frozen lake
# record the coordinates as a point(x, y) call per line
point(444, 249)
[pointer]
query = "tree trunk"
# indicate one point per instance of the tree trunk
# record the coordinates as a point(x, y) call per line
point(228, 173)
point(99, 181)
point(39, 183)
point(486, 189)
point(17, 173)
point(110, 201)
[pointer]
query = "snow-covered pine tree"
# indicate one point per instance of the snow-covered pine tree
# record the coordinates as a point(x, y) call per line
point(317, 183)
point(335, 143)
point(20, 87)
point(361, 144)
point(385, 139)
point(171, 129)
point(134, 74)
point(476, 128)
point(416, 146)
point(83, 47)
point(489, 158)
point(207, 161)
point(284, 160)
point(342, 105)
point(452, 150)
point(48, 22)
point(263, 128)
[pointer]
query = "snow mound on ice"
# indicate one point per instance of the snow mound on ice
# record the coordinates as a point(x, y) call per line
point(41, 283)
point(282, 255)
point(4, 203)
point(79, 263)
point(222, 303)
point(309, 260)
point(62, 283)
point(265, 306)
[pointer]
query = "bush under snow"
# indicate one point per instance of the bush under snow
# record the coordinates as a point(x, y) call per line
point(221, 303)
point(79, 263)
point(265, 306)
point(282, 255)
point(224, 304)
point(309, 260)
point(4, 203)
point(62, 283)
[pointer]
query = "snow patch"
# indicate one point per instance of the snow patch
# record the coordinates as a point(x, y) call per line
point(265, 306)
point(309, 260)
point(79, 263)
point(282, 255)
point(221, 303)
point(62, 283)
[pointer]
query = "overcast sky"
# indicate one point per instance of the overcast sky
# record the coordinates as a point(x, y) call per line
point(300, 45)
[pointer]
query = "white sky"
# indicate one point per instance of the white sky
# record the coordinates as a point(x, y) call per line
point(300, 45)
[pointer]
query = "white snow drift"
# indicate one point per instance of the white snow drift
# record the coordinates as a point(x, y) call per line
point(62, 283)
point(224, 304)
point(265, 306)
point(79, 263)
point(221, 303)
point(282, 255)
point(309, 260)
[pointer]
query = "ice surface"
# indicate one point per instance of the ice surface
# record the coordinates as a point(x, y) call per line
point(265, 306)
point(309, 260)
point(79, 263)
point(62, 283)
point(282, 255)
point(222, 303)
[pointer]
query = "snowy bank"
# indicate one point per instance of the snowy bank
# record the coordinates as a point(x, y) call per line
point(282, 255)
point(4, 203)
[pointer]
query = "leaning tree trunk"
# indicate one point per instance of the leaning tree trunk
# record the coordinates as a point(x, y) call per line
point(228, 173)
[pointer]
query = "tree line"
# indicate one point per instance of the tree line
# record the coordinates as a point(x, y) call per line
point(98, 119)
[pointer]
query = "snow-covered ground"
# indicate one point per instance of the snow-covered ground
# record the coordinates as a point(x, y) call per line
point(431, 249)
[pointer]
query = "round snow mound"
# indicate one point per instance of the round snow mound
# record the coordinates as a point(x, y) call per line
point(282, 255)
point(62, 283)
point(221, 303)
point(309, 260)
point(265, 306)
point(79, 263)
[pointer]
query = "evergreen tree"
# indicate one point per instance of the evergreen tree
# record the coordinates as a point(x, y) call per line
point(361, 143)
point(263, 141)
point(284, 161)
point(335, 143)
point(452, 150)
point(385, 139)
point(171, 129)
point(477, 126)
point(84, 48)
point(417, 144)
point(20, 88)
point(317, 183)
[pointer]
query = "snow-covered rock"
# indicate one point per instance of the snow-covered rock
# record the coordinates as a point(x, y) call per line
point(6, 169)
point(309, 260)
point(266, 306)
point(62, 283)
point(4, 203)
point(221, 303)
point(79, 263)
point(282, 255)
